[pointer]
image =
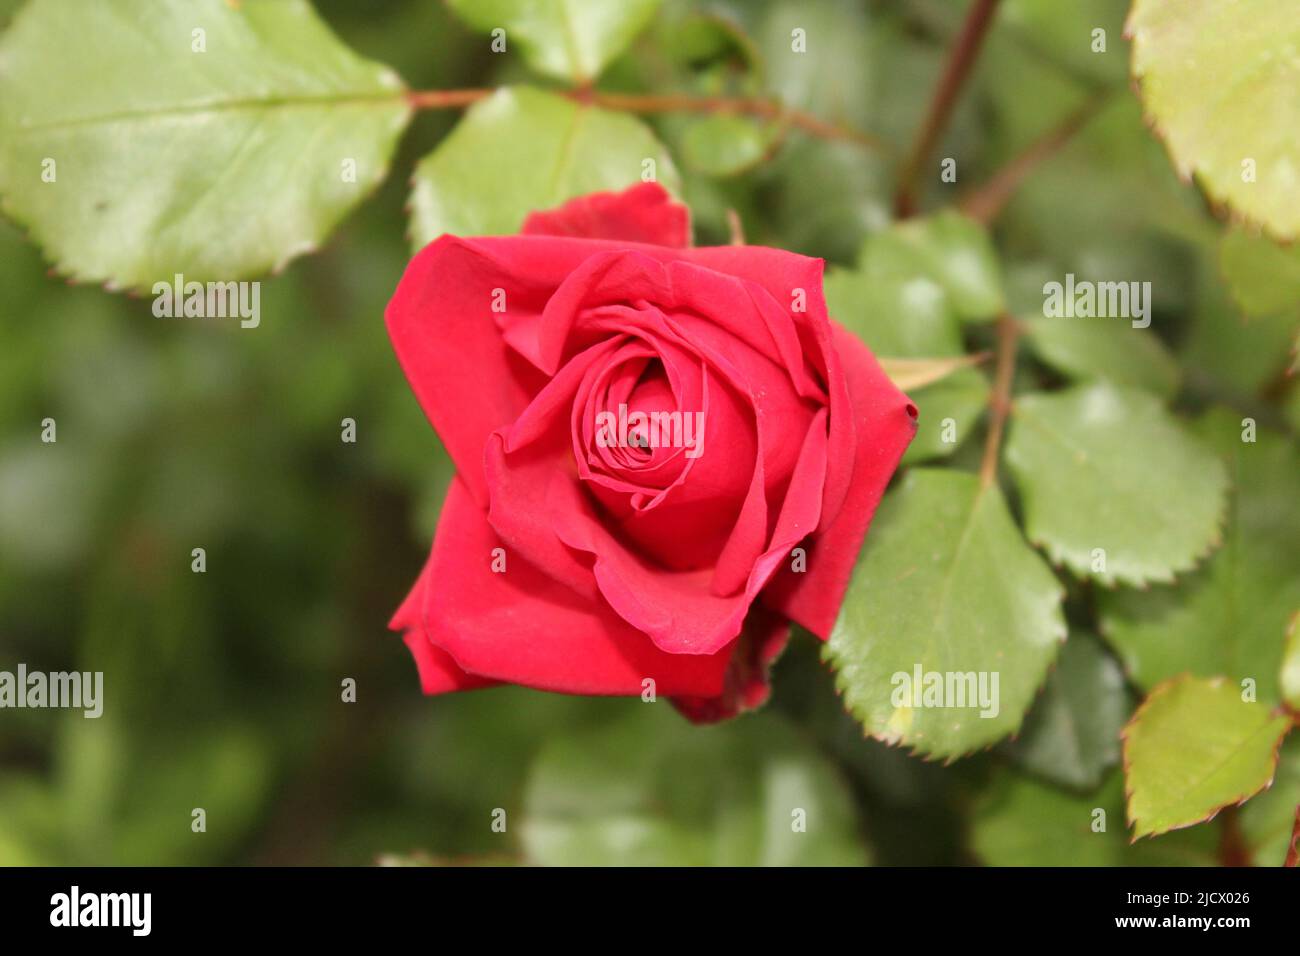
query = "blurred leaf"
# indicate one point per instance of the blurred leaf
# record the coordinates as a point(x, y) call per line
point(1195, 747)
point(948, 248)
point(921, 598)
point(1019, 821)
point(826, 67)
point(420, 858)
point(653, 790)
point(216, 164)
point(1289, 679)
point(523, 150)
point(1267, 819)
point(1064, 33)
point(567, 39)
point(1264, 278)
point(1214, 77)
point(1227, 618)
point(1071, 736)
point(824, 196)
point(1236, 357)
point(1154, 514)
point(1109, 349)
point(1129, 215)
point(893, 315)
point(29, 822)
point(911, 318)
point(725, 144)
point(47, 512)
point(128, 798)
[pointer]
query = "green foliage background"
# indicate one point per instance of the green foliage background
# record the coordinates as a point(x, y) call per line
point(223, 689)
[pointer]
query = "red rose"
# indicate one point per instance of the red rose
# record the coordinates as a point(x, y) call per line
point(643, 433)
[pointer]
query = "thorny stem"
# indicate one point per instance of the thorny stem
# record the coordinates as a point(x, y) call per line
point(986, 201)
point(961, 58)
point(1000, 400)
point(671, 103)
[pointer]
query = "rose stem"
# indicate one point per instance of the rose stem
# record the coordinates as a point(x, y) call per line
point(1000, 398)
point(961, 58)
point(986, 201)
point(670, 103)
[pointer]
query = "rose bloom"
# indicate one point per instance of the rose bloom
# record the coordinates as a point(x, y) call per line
point(585, 558)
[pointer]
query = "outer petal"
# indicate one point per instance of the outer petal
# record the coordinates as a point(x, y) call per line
point(747, 685)
point(439, 673)
point(885, 423)
point(522, 627)
point(643, 213)
point(440, 320)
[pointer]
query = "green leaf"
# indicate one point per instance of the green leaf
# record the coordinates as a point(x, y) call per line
point(922, 598)
point(30, 821)
point(911, 317)
point(1263, 277)
point(1234, 355)
point(1289, 679)
point(1267, 819)
point(894, 315)
point(1019, 821)
point(1264, 280)
point(216, 164)
point(1071, 736)
point(948, 248)
point(1109, 350)
point(567, 39)
point(1113, 486)
point(650, 789)
point(1063, 33)
point(523, 150)
point(1227, 618)
point(958, 401)
point(1195, 747)
point(127, 794)
point(833, 77)
point(726, 144)
point(1215, 78)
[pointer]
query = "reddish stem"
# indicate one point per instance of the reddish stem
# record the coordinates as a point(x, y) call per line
point(670, 103)
point(961, 58)
point(1000, 399)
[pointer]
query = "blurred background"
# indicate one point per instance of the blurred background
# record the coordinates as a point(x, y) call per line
point(223, 689)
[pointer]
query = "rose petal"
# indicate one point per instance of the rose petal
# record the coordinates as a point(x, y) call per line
point(678, 609)
point(642, 213)
point(747, 685)
point(441, 323)
point(439, 673)
point(522, 627)
point(886, 421)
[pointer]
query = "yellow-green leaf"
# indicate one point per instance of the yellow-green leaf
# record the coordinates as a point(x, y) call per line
point(1194, 747)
